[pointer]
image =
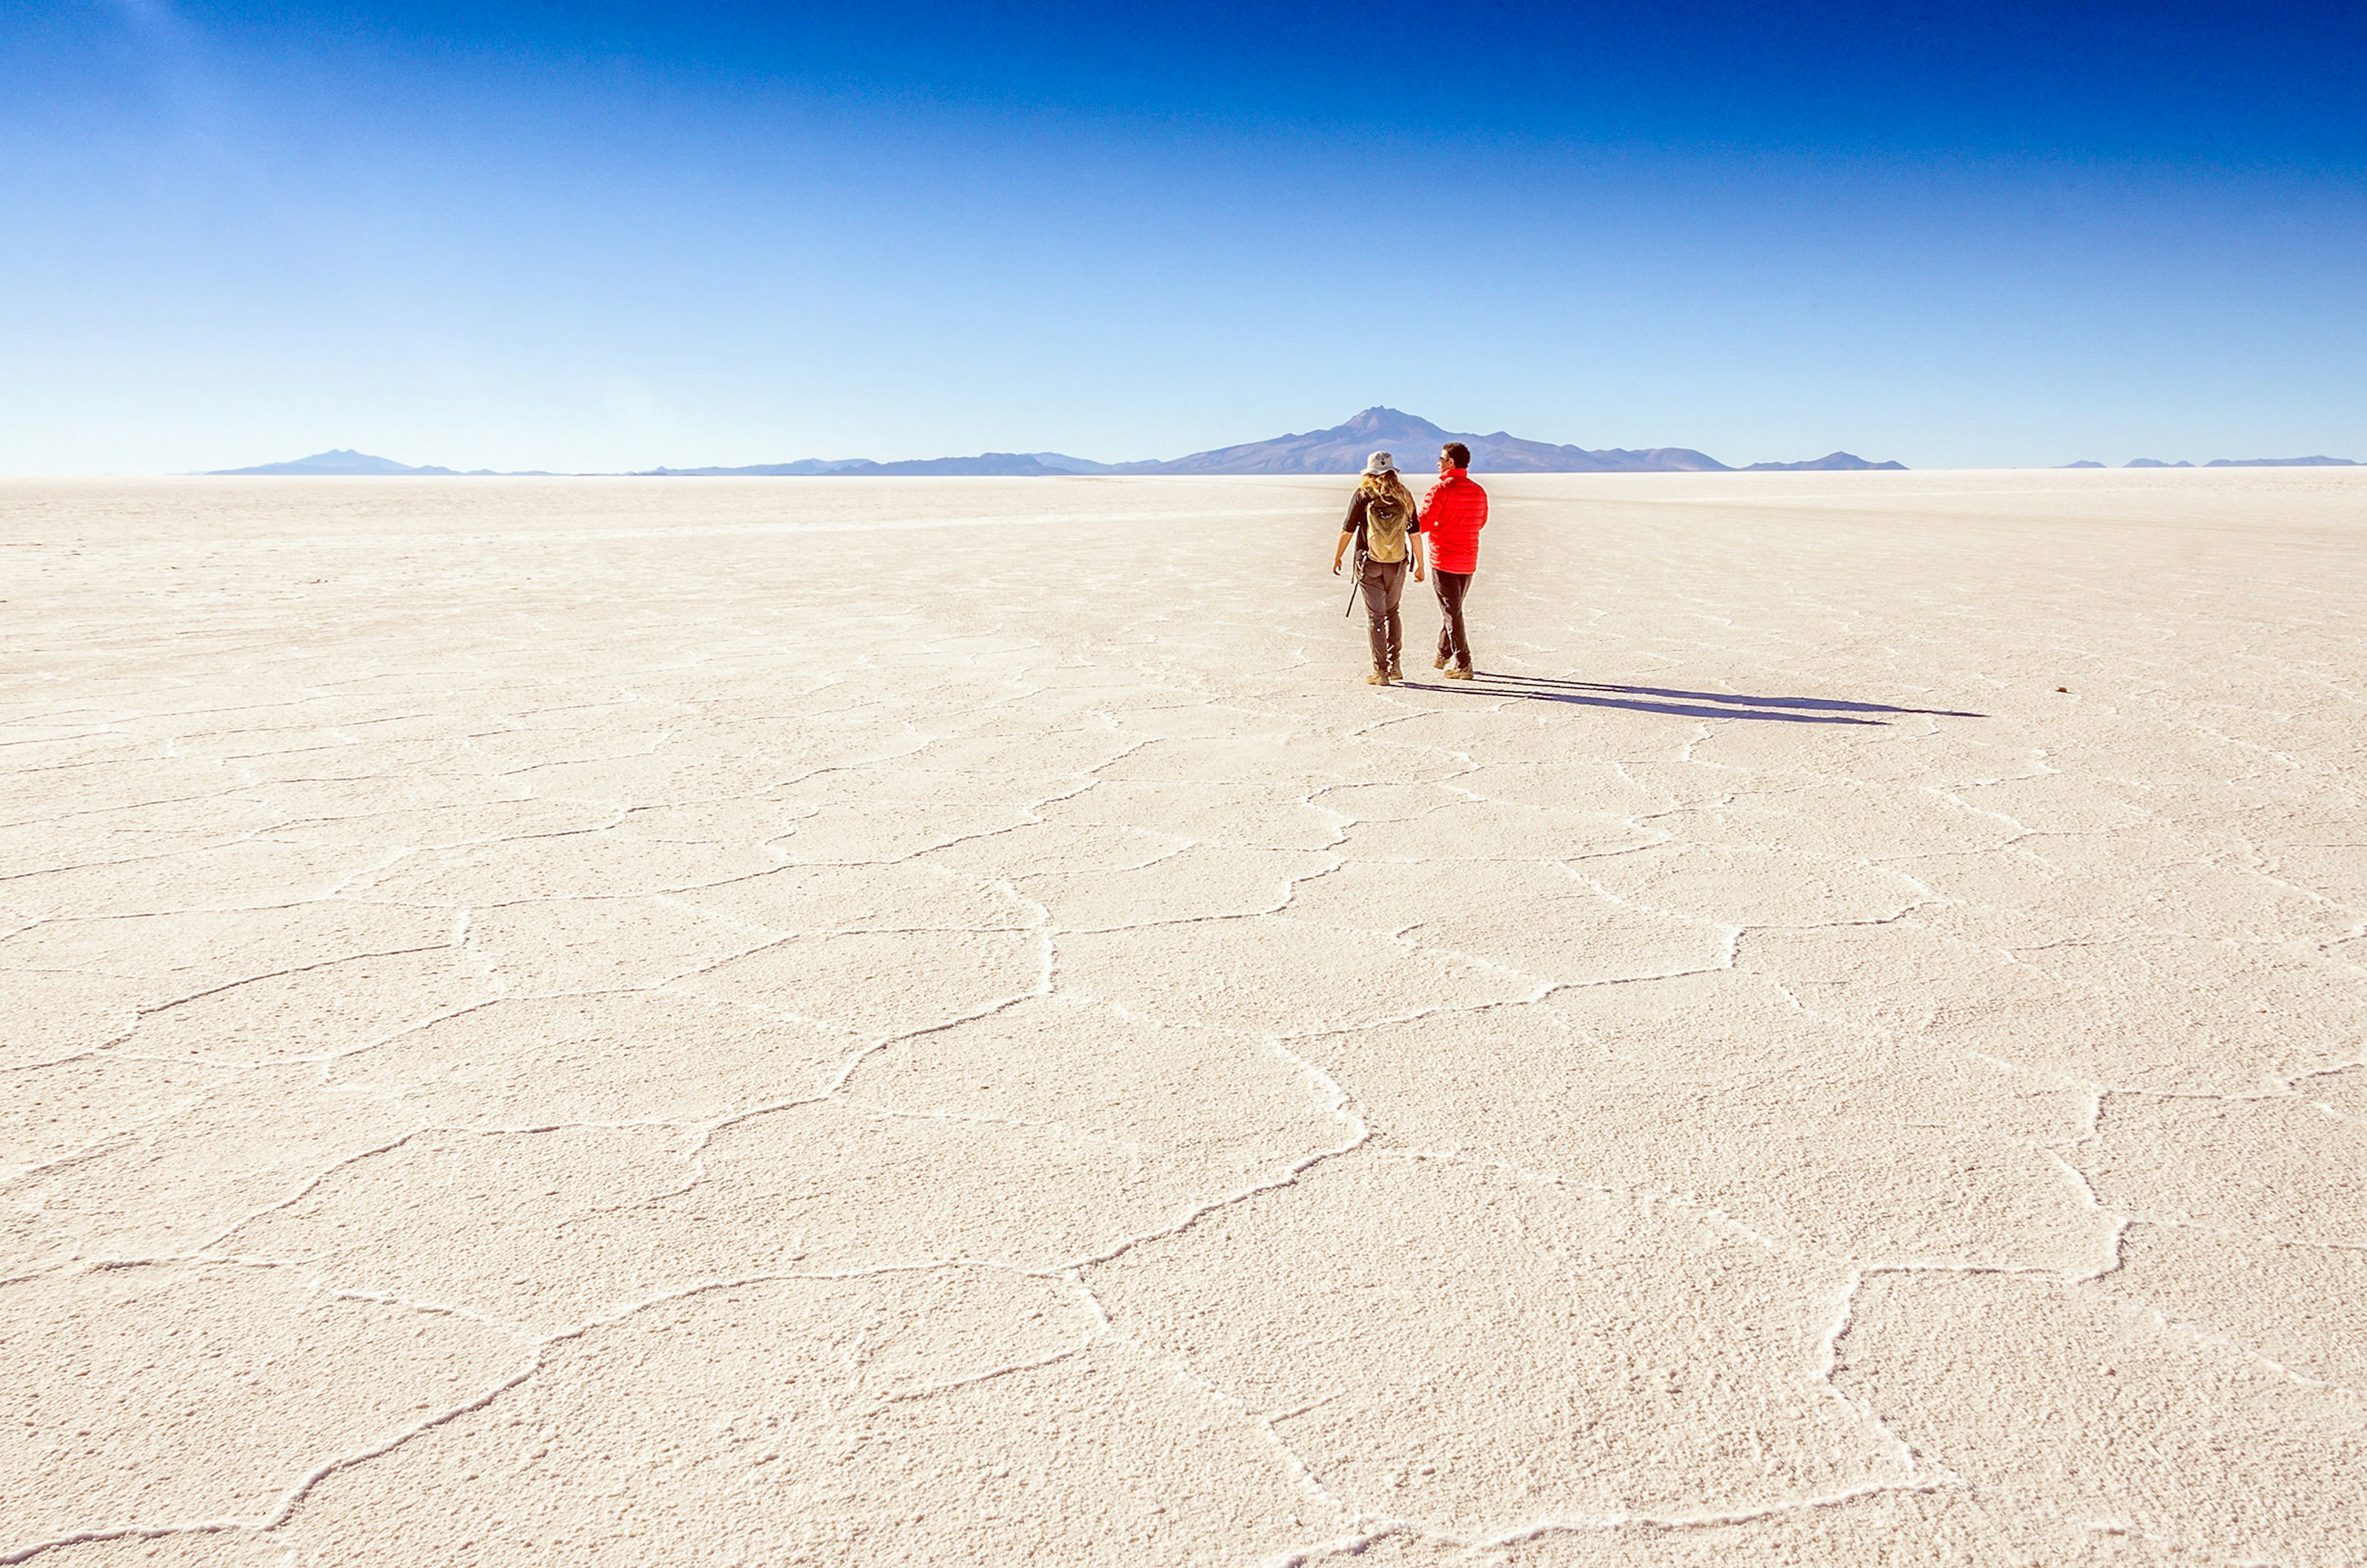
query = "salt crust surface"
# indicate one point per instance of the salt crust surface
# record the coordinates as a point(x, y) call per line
point(706, 1022)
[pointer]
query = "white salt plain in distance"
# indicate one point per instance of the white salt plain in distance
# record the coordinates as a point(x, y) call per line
point(632, 1021)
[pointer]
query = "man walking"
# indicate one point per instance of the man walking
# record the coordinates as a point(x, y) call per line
point(1452, 515)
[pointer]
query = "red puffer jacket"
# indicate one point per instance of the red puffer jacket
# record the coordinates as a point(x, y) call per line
point(1452, 515)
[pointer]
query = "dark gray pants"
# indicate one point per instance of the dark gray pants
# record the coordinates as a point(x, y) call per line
point(1453, 646)
point(1384, 585)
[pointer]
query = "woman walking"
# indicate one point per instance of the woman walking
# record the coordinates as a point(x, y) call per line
point(1382, 521)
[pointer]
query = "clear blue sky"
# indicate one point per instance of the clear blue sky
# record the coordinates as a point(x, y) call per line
point(597, 236)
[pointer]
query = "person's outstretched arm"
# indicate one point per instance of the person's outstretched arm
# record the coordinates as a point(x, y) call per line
point(1348, 529)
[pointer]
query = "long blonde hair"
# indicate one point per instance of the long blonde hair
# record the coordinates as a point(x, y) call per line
point(1387, 482)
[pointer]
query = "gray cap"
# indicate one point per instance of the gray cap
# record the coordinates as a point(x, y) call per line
point(1380, 463)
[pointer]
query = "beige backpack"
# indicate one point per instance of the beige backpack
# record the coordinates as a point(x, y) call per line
point(1387, 515)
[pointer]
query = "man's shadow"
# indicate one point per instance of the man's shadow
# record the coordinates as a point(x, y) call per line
point(1683, 704)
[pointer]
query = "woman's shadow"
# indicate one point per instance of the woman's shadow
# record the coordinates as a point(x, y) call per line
point(1684, 704)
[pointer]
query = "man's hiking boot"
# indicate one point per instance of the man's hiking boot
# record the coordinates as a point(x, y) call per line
point(1378, 678)
point(1463, 674)
point(1439, 663)
point(1396, 674)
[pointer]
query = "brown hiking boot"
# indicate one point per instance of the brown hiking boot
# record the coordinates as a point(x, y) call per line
point(1378, 678)
point(1464, 674)
point(1439, 663)
point(1396, 674)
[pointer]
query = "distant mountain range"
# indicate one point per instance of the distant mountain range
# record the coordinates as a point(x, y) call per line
point(1829, 462)
point(1342, 449)
point(1415, 442)
point(2233, 463)
point(346, 463)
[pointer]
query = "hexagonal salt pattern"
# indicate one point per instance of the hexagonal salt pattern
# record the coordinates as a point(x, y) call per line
point(878, 1022)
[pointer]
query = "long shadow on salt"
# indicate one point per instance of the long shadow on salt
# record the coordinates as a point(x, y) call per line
point(1683, 704)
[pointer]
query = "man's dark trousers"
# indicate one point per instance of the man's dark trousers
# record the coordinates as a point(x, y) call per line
point(1454, 647)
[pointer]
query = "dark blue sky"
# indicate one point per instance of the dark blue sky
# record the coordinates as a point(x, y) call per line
point(610, 236)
